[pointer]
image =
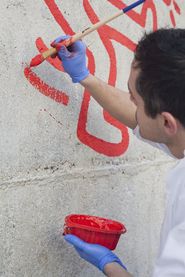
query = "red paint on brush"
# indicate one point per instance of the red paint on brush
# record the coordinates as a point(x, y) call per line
point(36, 60)
point(39, 58)
point(56, 63)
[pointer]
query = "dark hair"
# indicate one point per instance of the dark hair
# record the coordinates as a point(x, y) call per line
point(160, 57)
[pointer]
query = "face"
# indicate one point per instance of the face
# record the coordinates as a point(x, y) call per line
point(150, 128)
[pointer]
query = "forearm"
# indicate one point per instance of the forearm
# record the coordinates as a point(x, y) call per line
point(113, 100)
point(115, 270)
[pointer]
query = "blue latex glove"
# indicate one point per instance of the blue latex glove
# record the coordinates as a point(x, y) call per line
point(73, 59)
point(95, 254)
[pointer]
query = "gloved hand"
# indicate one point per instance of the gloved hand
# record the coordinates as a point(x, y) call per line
point(73, 58)
point(95, 254)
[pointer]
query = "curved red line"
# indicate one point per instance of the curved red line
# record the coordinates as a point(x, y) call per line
point(99, 145)
point(121, 147)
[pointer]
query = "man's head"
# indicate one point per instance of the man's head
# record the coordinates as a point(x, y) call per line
point(158, 82)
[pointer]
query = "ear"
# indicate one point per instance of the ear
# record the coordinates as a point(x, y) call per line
point(169, 123)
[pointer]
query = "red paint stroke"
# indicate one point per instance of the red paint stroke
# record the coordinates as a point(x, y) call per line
point(177, 8)
point(168, 3)
point(172, 18)
point(45, 89)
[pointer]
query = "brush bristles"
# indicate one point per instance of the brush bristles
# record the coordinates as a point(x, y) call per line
point(37, 60)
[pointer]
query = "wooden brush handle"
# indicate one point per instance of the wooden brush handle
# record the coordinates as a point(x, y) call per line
point(49, 53)
point(94, 27)
point(80, 35)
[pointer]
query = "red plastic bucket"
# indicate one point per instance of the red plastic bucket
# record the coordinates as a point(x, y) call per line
point(94, 229)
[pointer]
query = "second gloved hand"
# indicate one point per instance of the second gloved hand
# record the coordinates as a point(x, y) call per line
point(73, 59)
point(95, 254)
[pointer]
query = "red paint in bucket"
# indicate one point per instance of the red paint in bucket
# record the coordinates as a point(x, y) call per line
point(93, 229)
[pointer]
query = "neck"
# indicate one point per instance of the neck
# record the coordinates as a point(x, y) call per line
point(178, 153)
point(177, 146)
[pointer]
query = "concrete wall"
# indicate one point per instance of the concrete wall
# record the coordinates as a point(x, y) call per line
point(59, 154)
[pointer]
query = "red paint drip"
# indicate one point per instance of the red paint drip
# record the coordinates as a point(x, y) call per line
point(45, 89)
point(36, 60)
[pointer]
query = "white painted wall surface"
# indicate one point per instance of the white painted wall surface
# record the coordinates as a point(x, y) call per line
point(46, 172)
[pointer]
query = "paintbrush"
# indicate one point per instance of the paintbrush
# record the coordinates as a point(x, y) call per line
point(53, 51)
